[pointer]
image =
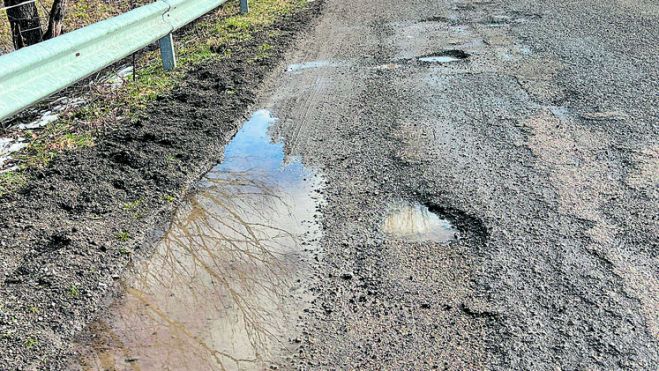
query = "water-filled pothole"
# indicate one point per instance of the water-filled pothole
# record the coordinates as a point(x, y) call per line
point(415, 222)
point(221, 290)
point(310, 65)
point(445, 56)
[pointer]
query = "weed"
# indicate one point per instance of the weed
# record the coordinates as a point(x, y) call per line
point(170, 159)
point(34, 309)
point(74, 292)
point(31, 342)
point(264, 52)
point(123, 236)
point(125, 251)
point(130, 206)
point(169, 198)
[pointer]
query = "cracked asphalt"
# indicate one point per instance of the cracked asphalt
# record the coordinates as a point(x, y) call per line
point(541, 146)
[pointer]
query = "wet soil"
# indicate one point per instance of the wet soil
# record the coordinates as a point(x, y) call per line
point(66, 238)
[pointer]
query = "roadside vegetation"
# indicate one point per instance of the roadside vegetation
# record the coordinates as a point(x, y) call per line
point(214, 37)
point(78, 13)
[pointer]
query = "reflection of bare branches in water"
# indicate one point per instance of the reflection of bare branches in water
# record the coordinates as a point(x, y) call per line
point(215, 289)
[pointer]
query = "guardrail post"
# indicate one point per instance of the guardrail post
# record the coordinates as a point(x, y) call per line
point(244, 7)
point(166, 44)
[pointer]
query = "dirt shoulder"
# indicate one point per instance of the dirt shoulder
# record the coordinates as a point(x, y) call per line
point(66, 237)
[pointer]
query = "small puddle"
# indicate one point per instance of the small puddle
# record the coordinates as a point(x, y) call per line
point(445, 56)
point(439, 59)
point(415, 222)
point(310, 65)
point(222, 290)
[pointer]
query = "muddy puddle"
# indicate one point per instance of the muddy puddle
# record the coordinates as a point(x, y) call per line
point(416, 223)
point(223, 289)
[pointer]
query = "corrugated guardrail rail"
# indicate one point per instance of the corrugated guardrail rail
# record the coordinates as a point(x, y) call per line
point(35, 72)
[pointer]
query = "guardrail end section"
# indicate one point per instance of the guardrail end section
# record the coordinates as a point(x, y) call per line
point(166, 44)
point(244, 7)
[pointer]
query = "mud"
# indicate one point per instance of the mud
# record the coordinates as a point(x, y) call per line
point(67, 237)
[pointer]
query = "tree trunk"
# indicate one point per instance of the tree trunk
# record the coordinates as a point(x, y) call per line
point(24, 23)
point(55, 19)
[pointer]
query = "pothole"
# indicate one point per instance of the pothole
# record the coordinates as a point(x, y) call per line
point(445, 56)
point(416, 223)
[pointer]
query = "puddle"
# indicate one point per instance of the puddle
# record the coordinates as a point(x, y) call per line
point(310, 65)
point(388, 66)
point(416, 223)
point(445, 56)
point(222, 290)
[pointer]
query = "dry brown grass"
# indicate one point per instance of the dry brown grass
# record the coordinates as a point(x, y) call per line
point(79, 14)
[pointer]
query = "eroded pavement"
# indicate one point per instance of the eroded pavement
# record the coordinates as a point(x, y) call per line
point(489, 173)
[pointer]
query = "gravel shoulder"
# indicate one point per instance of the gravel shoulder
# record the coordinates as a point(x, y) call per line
point(70, 233)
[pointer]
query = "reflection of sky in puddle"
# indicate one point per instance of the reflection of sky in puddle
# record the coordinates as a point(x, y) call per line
point(252, 151)
point(439, 59)
point(310, 65)
point(217, 293)
point(414, 222)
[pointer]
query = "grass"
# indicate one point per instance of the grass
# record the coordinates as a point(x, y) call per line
point(79, 13)
point(31, 342)
point(212, 38)
point(73, 291)
point(131, 206)
point(11, 181)
point(123, 236)
point(125, 251)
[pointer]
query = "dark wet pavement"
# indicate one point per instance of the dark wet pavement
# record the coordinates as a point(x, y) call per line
point(221, 291)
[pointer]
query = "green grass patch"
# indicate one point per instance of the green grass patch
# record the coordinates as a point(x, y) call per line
point(73, 291)
point(31, 342)
point(11, 181)
point(123, 236)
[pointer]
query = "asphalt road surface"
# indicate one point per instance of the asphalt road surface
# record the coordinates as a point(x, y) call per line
point(419, 184)
point(535, 132)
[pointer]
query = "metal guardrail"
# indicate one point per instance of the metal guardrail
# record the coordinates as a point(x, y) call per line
point(31, 74)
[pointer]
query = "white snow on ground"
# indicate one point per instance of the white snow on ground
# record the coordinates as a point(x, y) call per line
point(113, 80)
point(7, 147)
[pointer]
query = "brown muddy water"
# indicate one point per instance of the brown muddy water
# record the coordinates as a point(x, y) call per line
point(416, 223)
point(223, 289)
